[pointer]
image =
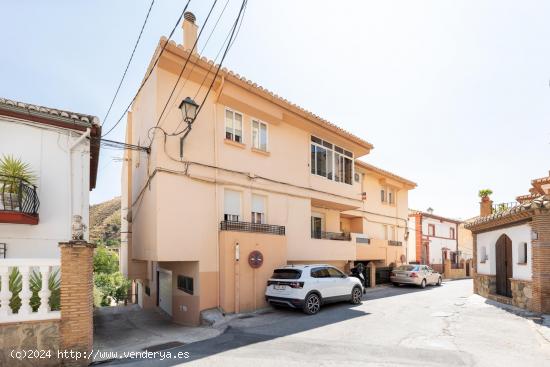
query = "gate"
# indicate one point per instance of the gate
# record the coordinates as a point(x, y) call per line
point(382, 275)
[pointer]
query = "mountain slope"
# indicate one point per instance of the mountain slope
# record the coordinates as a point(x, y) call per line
point(105, 222)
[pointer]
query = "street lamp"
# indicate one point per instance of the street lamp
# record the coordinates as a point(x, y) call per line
point(189, 109)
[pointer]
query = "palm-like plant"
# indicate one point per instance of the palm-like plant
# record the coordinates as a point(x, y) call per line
point(35, 285)
point(14, 169)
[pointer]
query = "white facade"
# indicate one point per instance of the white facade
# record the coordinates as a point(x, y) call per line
point(440, 239)
point(486, 242)
point(63, 182)
point(411, 240)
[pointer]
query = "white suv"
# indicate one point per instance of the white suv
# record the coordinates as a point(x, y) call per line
point(309, 286)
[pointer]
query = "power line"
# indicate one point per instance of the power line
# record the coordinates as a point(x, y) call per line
point(232, 38)
point(106, 143)
point(184, 66)
point(129, 61)
point(150, 71)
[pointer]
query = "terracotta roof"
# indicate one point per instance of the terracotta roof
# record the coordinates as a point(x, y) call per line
point(234, 77)
point(53, 112)
point(434, 216)
point(541, 202)
point(522, 198)
point(385, 173)
point(59, 118)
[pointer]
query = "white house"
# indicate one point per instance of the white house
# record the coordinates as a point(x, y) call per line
point(433, 238)
point(56, 145)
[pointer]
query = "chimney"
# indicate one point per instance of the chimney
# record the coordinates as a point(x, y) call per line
point(485, 206)
point(189, 31)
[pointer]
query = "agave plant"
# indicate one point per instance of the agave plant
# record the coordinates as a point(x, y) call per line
point(14, 169)
point(35, 285)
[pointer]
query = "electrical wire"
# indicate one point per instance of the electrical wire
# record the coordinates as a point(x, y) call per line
point(232, 37)
point(184, 66)
point(150, 71)
point(129, 62)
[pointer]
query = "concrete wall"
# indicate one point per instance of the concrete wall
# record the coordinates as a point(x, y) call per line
point(46, 150)
point(517, 234)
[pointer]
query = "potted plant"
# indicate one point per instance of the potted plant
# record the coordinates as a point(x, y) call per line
point(12, 172)
point(484, 194)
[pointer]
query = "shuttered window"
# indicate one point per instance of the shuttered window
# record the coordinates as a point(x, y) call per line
point(232, 205)
point(258, 209)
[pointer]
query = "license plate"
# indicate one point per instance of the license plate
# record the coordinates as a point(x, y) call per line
point(279, 287)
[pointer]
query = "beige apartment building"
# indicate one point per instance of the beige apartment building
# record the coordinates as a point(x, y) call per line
point(257, 183)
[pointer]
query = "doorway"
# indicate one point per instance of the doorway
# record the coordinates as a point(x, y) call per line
point(165, 290)
point(504, 269)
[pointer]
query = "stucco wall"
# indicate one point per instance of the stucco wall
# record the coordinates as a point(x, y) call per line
point(517, 234)
point(441, 239)
point(45, 149)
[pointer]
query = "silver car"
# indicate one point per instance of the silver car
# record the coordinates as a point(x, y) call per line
point(420, 275)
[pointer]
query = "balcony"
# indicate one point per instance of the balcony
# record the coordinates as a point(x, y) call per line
point(395, 243)
point(227, 225)
point(337, 236)
point(18, 201)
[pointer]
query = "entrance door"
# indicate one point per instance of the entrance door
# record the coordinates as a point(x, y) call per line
point(165, 290)
point(503, 249)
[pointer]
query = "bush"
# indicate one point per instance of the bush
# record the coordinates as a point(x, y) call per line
point(111, 286)
point(105, 261)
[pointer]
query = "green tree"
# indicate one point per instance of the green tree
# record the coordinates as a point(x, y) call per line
point(105, 261)
point(111, 286)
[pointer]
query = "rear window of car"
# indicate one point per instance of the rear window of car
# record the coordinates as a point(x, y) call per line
point(286, 274)
point(407, 268)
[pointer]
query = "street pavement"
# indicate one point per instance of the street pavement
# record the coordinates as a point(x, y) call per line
point(437, 326)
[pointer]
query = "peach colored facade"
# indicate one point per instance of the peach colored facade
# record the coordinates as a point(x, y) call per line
point(179, 205)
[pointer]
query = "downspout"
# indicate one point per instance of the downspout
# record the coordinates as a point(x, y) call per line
point(69, 157)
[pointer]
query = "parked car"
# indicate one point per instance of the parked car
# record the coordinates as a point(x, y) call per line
point(420, 275)
point(308, 287)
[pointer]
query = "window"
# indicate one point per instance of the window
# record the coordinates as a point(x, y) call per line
point(232, 206)
point(335, 273)
point(286, 274)
point(233, 126)
point(259, 135)
point(258, 209)
point(452, 233)
point(185, 284)
point(431, 229)
point(522, 253)
point(320, 273)
point(391, 196)
point(317, 225)
point(383, 195)
point(331, 161)
point(482, 254)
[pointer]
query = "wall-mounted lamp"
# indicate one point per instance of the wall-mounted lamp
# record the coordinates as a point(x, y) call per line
point(189, 109)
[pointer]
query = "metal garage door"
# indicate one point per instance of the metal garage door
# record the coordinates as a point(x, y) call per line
point(165, 290)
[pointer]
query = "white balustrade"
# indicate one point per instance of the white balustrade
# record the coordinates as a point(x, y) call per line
point(26, 267)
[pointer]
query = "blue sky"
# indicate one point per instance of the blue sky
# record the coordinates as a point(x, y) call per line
point(454, 95)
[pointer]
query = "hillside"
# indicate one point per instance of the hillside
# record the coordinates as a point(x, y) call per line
point(105, 222)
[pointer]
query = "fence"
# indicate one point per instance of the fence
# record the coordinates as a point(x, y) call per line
point(382, 275)
point(29, 289)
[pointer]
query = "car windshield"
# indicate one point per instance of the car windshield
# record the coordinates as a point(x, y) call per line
point(286, 274)
point(407, 268)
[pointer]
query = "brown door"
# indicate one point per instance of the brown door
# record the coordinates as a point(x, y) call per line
point(504, 265)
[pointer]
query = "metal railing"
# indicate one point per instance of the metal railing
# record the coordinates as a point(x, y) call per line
point(337, 236)
point(500, 207)
point(395, 243)
point(18, 195)
point(228, 225)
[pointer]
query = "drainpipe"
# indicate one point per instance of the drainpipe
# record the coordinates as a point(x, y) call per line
point(69, 157)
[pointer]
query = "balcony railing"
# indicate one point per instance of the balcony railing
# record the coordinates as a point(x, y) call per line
point(228, 225)
point(500, 207)
point(18, 195)
point(337, 236)
point(29, 289)
point(395, 243)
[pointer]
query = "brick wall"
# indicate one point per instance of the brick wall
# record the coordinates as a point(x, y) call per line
point(76, 328)
point(541, 262)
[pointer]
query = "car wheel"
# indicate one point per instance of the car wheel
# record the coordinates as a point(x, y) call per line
point(439, 281)
point(423, 284)
point(356, 295)
point(395, 284)
point(312, 305)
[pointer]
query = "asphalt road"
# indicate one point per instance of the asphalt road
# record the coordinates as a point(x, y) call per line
point(438, 326)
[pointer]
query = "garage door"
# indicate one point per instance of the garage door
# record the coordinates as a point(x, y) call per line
point(165, 290)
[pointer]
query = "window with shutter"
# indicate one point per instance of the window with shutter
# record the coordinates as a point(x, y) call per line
point(232, 205)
